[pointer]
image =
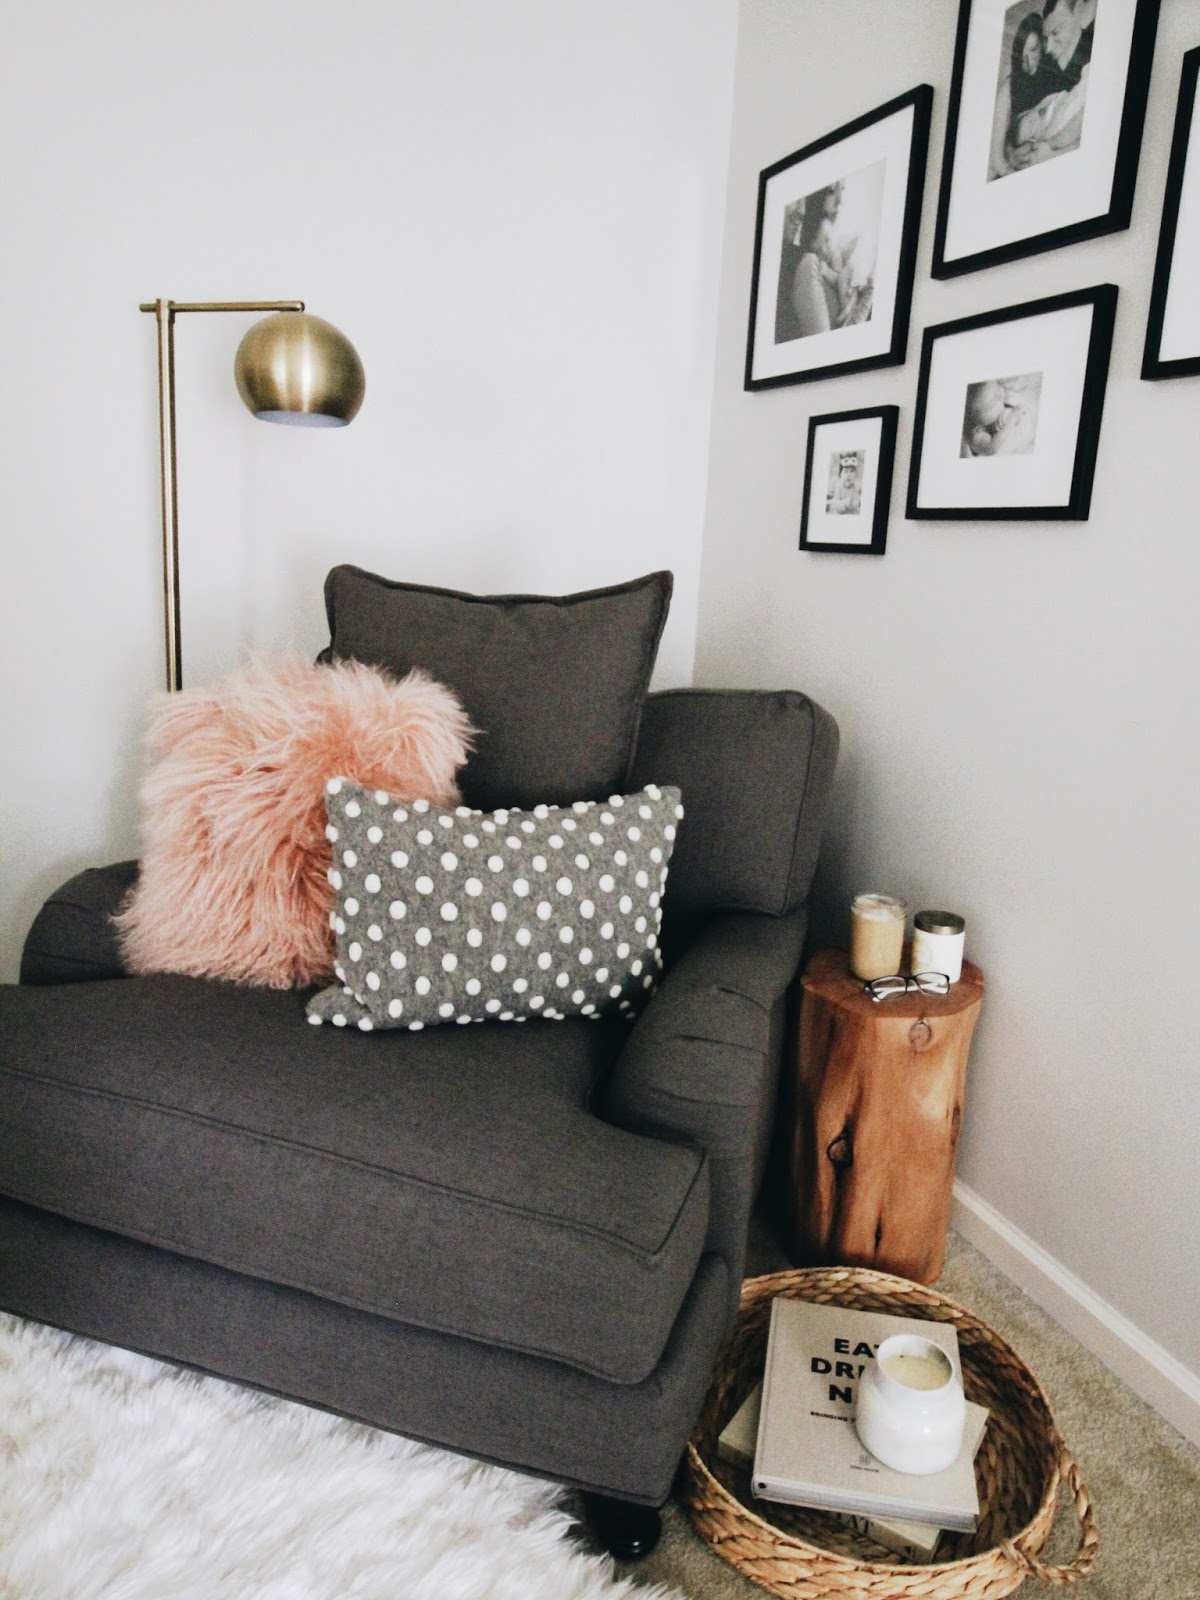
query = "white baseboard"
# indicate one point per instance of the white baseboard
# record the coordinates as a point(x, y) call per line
point(1148, 1369)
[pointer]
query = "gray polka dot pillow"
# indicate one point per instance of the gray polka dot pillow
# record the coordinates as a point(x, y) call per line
point(462, 916)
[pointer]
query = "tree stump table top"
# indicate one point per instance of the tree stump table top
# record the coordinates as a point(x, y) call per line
point(828, 974)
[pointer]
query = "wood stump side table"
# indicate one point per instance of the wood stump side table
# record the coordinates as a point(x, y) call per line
point(877, 1103)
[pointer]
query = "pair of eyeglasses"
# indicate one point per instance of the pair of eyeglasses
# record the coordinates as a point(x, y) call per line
point(925, 982)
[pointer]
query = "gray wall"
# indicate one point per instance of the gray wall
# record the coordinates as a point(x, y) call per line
point(1017, 701)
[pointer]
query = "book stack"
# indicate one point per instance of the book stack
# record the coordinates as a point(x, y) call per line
point(795, 1433)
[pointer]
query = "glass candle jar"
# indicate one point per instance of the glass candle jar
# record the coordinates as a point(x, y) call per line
point(876, 935)
point(937, 944)
point(911, 1411)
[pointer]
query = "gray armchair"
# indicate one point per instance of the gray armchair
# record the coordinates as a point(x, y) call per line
point(521, 1243)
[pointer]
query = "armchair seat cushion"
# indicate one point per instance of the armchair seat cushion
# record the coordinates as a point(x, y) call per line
point(455, 1180)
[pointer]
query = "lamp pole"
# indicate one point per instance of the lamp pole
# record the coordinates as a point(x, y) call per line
point(165, 312)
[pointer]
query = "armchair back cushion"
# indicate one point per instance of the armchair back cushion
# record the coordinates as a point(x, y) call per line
point(554, 683)
point(755, 770)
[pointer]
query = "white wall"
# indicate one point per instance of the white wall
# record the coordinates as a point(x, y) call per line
point(1042, 777)
point(515, 213)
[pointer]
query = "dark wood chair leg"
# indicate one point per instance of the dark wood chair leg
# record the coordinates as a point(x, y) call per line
point(625, 1529)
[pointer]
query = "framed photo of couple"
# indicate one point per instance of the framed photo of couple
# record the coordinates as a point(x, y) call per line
point(1044, 128)
point(835, 245)
point(1008, 413)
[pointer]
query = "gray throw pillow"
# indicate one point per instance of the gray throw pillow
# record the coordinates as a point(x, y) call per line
point(462, 916)
point(553, 683)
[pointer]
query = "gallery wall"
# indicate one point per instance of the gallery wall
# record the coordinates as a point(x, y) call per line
point(513, 211)
point(1016, 701)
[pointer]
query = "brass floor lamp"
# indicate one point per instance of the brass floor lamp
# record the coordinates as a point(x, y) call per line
point(291, 367)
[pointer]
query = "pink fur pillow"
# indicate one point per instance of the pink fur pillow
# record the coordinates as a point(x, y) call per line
point(233, 880)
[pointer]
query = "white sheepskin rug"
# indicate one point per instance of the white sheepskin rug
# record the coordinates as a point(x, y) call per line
point(122, 1478)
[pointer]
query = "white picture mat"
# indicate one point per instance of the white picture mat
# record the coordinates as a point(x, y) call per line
point(889, 141)
point(861, 433)
point(1071, 188)
point(1181, 313)
point(1055, 344)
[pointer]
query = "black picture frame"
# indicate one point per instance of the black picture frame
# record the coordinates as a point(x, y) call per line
point(1154, 363)
point(1060, 416)
point(808, 174)
point(824, 530)
point(1100, 190)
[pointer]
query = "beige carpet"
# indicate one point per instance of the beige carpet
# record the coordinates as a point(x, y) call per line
point(1143, 1477)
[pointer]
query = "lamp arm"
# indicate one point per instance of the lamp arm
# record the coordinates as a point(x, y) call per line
point(223, 305)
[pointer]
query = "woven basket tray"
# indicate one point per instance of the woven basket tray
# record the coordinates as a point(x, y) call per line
point(807, 1555)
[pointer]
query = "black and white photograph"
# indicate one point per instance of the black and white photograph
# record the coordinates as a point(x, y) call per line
point(1041, 95)
point(835, 248)
point(844, 483)
point(827, 261)
point(1009, 406)
point(1000, 416)
point(1173, 324)
point(1043, 134)
point(848, 481)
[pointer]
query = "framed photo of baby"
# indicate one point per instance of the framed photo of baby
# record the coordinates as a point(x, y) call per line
point(1009, 405)
point(835, 245)
point(848, 481)
point(1044, 130)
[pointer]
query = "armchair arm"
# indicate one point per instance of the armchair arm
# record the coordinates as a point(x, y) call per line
point(72, 939)
point(702, 1063)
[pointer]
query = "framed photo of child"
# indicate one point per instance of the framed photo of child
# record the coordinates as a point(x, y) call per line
point(848, 481)
point(835, 244)
point(1009, 405)
point(1044, 129)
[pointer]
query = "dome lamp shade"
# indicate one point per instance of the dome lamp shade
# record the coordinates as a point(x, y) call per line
point(294, 368)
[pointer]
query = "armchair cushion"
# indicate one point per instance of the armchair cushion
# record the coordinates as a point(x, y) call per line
point(555, 683)
point(755, 769)
point(455, 1180)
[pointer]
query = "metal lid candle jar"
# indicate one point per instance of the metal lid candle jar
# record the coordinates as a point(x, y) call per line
point(937, 945)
